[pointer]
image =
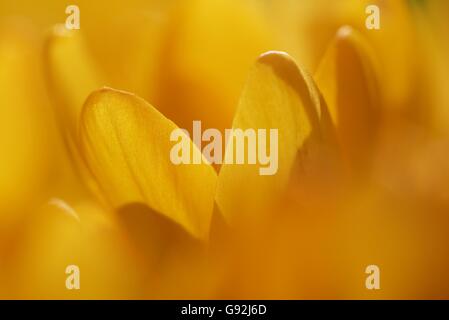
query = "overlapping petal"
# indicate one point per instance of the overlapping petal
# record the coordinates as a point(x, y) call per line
point(26, 149)
point(82, 234)
point(126, 144)
point(277, 95)
point(347, 77)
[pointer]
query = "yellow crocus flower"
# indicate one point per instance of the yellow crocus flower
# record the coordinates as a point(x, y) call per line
point(362, 176)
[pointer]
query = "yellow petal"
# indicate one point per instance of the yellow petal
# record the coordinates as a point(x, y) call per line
point(155, 235)
point(206, 61)
point(126, 144)
point(277, 95)
point(133, 67)
point(172, 256)
point(72, 75)
point(83, 234)
point(313, 25)
point(25, 140)
point(348, 80)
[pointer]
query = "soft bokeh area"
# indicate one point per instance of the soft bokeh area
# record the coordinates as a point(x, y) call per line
point(86, 178)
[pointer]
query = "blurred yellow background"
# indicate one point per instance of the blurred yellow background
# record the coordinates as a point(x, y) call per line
point(86, 183)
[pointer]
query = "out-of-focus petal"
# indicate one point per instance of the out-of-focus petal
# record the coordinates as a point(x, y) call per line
point(278, 95)
point(348, 80)
point(210, 47)
point(24, 121)
point(176, 262)
point(72, 75)
point(431, 92)
point(85, 235)
point(314, 24)
point(126, 144)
